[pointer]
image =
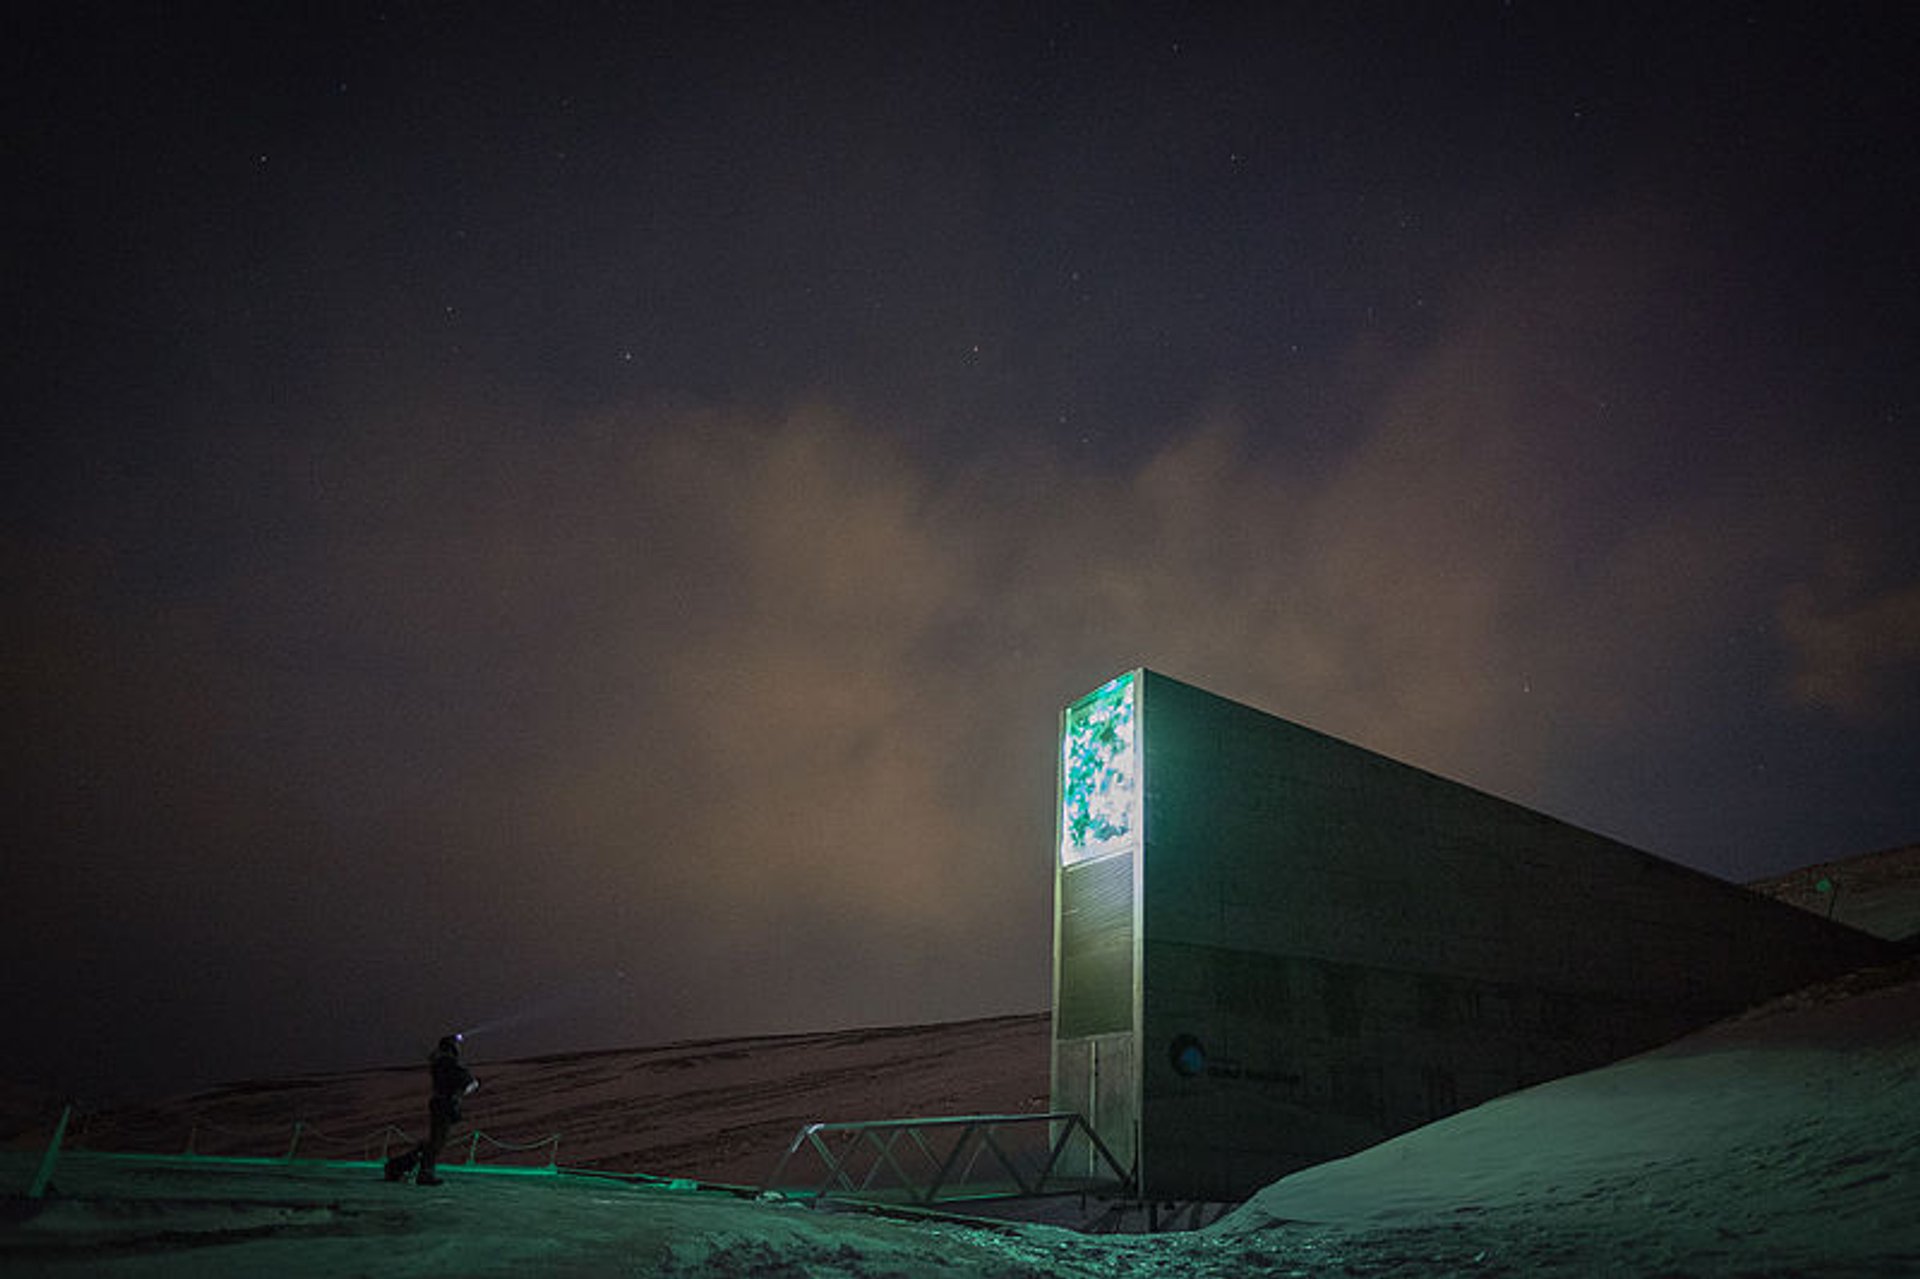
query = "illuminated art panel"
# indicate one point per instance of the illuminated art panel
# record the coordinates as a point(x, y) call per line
point(1100, 774)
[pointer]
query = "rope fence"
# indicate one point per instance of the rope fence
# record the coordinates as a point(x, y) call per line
point(551, 1140)
point(206, 1139)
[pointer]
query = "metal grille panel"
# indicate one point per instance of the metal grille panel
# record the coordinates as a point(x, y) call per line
point(1096, 948)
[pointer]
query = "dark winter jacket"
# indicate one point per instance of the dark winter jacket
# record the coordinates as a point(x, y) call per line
point(451, 1081)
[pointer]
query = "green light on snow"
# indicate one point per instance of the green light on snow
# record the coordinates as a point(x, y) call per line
point(1100, 801)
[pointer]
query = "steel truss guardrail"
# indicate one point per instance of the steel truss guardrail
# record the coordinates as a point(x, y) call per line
point(928, 1161)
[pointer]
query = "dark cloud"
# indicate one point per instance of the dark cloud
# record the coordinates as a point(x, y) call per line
point(1858, 660)
point(760, 709)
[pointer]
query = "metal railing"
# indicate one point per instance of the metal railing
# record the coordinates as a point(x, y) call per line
point(928, 1161)
point(306, 1141)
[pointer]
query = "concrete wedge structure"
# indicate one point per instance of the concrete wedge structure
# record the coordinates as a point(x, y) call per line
point(1274, 948)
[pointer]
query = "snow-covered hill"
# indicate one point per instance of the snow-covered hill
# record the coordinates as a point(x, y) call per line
point(1780, 1142)
point(1783, 1142)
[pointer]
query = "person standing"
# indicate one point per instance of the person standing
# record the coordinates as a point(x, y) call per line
point(451, 1082)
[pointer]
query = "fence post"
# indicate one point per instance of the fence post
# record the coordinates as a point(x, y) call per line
point(298, 1124)
point(45, 1175)
point(473, 1148)
point(192, 1133)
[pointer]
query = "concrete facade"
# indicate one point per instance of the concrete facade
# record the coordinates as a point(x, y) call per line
point(1273, 948)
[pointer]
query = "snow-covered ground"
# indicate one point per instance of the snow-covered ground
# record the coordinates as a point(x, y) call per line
point(1784, 1142)
point(716, 1110)
point(1877, 893)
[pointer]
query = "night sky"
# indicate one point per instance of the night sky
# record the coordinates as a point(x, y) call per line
point(580, 519)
